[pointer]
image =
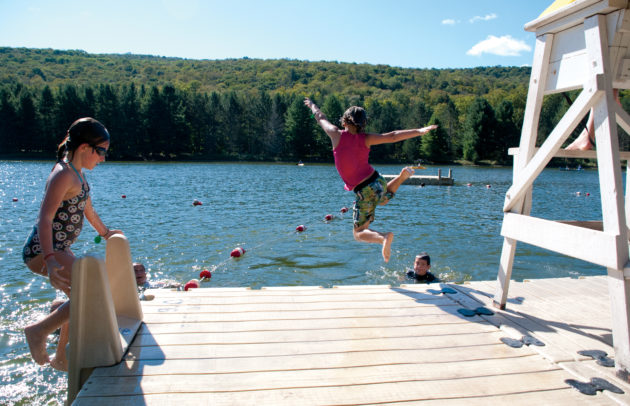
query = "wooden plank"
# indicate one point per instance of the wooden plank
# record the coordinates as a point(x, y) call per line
point(515, 325)
point(435, 314)
point(597, 247)
point(392, 295)
point(313, 378)
point(439, 302)
point(311, 335)
point(556, 397)
point(563, 314)
point(584, 371)
point(258, 349)
point(187, 326)
point(363, 394)
point(309, 361)
point(590, 154)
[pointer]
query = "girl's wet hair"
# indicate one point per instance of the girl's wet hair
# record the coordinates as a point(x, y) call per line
point(355, 116)
point(85, 130)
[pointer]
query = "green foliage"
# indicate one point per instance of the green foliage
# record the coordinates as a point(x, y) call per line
point(435, 145)
point(480, 141)
point(171, 108)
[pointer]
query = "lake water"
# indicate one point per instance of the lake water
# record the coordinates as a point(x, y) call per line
point(258, 206)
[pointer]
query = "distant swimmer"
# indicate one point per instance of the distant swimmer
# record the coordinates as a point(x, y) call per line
point(351, 150)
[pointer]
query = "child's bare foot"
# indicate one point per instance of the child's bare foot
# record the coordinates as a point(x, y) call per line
point(36, 344)
point(59, 364)
point(387, 246)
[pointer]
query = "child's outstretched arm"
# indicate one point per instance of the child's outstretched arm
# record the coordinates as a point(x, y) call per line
point(330, 129)
point(395, 136)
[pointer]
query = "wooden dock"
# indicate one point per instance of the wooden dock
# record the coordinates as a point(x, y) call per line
point(423, 180)
point(353, 345)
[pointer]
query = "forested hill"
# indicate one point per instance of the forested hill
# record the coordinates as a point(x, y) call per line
point(38, 67)
point(172, 108)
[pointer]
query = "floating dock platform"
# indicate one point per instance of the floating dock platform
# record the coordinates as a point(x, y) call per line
point(374, 344)
point(420, 180)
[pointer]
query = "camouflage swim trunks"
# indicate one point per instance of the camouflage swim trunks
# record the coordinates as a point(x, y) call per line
point(367, 198)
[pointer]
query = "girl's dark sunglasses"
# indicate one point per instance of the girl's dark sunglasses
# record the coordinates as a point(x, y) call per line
point(99, 150)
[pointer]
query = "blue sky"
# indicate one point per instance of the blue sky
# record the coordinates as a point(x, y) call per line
point(405, 33)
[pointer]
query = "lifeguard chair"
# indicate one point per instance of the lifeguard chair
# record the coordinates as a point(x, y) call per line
point(582, 44)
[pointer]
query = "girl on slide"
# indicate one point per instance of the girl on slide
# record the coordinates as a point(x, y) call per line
point(351, 150)
point(47, 249)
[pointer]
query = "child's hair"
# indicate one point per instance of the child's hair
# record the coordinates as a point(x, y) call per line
point(425, 256)
point(85, 130)
point(355, 116)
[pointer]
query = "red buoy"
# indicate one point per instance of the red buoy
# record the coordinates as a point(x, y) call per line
point(344, 209)
point(300, 228)
point(237, 252)
point(205, 274)
point(328, 217)
point(191, 284)
point(468, 184)
point(197, 203)
point(15, 199)
point(588, 194)
point(124, 196)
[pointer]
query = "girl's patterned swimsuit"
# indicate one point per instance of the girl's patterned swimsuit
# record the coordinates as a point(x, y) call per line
point(66, 225)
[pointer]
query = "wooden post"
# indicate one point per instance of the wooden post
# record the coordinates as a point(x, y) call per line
point(613, 210)
point(439, 175)
point(529, 134)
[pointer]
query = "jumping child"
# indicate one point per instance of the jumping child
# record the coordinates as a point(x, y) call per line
point(66, 201)
point(351, 150)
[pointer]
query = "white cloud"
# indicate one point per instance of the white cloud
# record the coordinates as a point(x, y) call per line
point(487, 17)
point(502, 46)
point(449, 21)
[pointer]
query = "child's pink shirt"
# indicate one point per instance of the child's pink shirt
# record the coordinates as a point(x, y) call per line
point(351, 159)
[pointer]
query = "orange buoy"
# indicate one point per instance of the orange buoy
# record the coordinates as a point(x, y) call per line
point(237, 252)
point(300, 228)
point(328, 217)
point(344, 209)
point(205, 274)
point(191, 284)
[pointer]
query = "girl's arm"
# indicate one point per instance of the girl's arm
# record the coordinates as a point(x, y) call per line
point(58, 186)
point(395, 136)
point(96, 221)
point(333, 132)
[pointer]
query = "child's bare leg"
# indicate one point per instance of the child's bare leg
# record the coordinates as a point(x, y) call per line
point(364, 234)
point(37, 332)
point(394, 184)
point(60, 361)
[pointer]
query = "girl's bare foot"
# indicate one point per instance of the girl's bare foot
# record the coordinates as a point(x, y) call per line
point(36, 344)
point(387, 246)
point(59, 364)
